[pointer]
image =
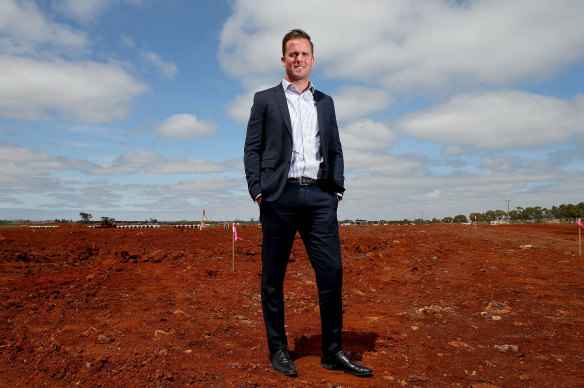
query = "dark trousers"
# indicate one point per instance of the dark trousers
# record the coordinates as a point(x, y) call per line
point(313, 213)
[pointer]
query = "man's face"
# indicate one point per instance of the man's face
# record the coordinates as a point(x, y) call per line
point(298, 60)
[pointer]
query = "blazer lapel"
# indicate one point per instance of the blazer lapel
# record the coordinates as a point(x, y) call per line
point(283, 106)
point(319, 102)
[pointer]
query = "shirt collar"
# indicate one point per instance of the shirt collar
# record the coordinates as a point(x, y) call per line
point(287, 85)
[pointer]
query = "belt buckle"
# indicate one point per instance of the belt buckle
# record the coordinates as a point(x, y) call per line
point(304, 181)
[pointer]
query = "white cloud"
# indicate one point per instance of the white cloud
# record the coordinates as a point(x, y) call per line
point(172, 165)
point(83, 11)
point(17, 161)
point(240, 108)
point(166, 69)
point(366, 146)
point(406, 45)
point(87, 91)
point(246, 35)
point(497, 120)
point(367, 135)
point(366, 150)
point(236, 164)
point(127, 41)
point(388, 196)
point(27, 173)
point(87, 11)
point(381, 164)
point(452, 150)
point(24, 28)
point(352, 102)
point(191, 196)
point(503, 163)
point(186, 126)
point(150, 163)
point(541, 164)
point(36, 83)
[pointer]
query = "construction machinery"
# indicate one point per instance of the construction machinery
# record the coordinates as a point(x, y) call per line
point(107, 222)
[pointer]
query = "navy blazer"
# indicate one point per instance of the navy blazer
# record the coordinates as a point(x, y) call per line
point(268, 144)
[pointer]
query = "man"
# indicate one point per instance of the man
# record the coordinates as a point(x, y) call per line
point(294, 169)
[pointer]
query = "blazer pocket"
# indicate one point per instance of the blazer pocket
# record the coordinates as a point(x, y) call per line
point(270, 163)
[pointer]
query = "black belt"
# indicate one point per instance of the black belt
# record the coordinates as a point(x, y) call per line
point(302, 181)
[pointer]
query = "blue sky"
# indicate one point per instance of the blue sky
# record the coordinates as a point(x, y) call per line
point(137, 109)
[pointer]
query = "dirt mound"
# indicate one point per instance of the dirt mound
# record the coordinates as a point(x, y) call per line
point(435, 305)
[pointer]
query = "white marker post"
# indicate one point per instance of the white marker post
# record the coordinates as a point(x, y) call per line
point(235, 238)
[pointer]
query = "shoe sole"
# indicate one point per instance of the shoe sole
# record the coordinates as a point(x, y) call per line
point(334, 367)
point(290, 374)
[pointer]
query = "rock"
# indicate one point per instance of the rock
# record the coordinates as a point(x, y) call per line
point(458, 344)
point(246, 320)
point(159, 332)
point(180, 312)
point(505, 348)
point(494, 310)
point(157, 255)
point(434, 309)
point(102, 339)
point(418, 378)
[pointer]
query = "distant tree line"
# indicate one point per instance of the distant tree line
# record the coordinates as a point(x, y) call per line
point(564, 212)
point(537, 213)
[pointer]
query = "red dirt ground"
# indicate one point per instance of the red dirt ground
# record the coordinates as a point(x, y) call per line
point(430, 306)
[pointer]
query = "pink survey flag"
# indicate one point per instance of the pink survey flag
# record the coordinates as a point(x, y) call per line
point(580, 223)
point(235, 238)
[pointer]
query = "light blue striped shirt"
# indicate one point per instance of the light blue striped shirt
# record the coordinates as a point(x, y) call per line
point(306, 156)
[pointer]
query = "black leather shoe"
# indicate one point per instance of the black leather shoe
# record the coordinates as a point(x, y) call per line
point(282, 363)
point(341, 361)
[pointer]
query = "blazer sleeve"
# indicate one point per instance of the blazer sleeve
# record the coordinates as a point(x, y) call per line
point(254, 144)
point(335, 153)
